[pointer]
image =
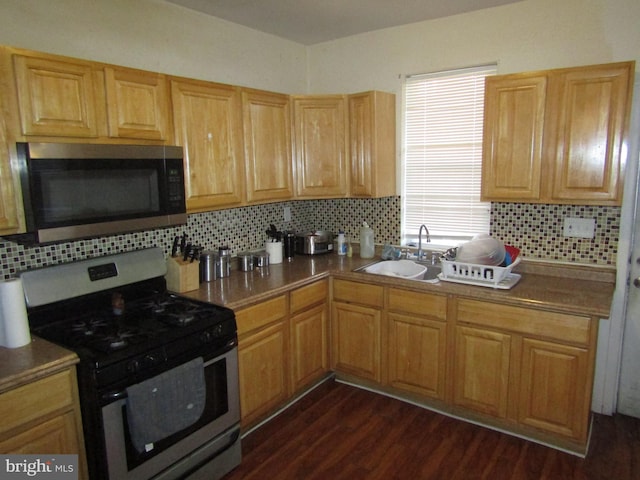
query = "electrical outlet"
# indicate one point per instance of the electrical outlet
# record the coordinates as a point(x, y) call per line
point(579, 227)
point(287, 214)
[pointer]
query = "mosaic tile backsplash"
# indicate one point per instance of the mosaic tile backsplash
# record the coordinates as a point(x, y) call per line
point(535, 229)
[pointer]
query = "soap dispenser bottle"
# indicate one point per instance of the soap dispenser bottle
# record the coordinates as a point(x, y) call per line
point(367, 248)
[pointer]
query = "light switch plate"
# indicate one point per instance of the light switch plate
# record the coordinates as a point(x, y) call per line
point(579, 227)
point(287, 214)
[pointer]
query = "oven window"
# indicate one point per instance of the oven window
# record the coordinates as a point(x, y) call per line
point(216, 405)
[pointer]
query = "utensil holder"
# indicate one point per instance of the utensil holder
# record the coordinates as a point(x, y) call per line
point(182, 275)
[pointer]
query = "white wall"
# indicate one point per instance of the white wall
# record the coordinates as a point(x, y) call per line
point(528, 35)
point(157, 36)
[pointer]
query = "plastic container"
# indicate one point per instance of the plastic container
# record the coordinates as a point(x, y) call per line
point(367, 247)
point(482, 250)
point(342, 243)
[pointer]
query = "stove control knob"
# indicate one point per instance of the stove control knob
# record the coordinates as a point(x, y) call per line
point(134, 366)
point(206, 337)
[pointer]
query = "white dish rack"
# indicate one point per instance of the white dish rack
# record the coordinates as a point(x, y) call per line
point(481, 275)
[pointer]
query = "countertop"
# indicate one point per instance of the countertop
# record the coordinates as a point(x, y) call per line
point(564, 288)
point(31, 362)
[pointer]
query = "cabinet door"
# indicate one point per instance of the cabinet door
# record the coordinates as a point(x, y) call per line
point(262, 363)
point(356, 340)
point(267, 145)
point(208, 126)
point(514, 115)
point(56, 435)
point(137, 104)
point(553, 389)
point(481, 371)
point(320, 146)
point(309, 346)
point(8, 207)
point(590, 131)
point(56, 98)
point(417, 353)
point(372, 144)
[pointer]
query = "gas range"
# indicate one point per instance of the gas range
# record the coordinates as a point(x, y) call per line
point(131, 335)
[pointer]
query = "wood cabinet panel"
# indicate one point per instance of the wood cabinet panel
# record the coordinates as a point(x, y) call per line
point(372, 144)
point(512, 145)
point(137, 104)
point(481, 370)
point(261, 314)
point(591, 130)
point(267, 145)
point(9, 222)
point(263, 371)
point(54, 436)
point(309, 345)
point(559, 326)
point(418, 303)
point(361, 293)
point(317, 292)
point(553, 385)
point(417, 355)
point(56, 98)
point(356, 340)
point(208, 125)
point(320, 146)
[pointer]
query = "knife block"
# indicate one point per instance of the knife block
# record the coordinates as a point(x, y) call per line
point(182, 276)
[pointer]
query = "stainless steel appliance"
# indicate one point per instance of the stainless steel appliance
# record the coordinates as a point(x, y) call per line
point(72, 191)
point(158, 373)
point(314, 243)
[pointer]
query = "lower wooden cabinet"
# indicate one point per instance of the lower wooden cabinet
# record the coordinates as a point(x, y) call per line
point(481, 373)
point(43, 417)
point(356, 329)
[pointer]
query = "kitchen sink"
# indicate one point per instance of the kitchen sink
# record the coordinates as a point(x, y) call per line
point(404, 269)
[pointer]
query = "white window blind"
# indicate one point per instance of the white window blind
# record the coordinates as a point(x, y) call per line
point(443, 117)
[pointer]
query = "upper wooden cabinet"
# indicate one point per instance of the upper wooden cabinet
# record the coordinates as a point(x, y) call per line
point(372, 144)
point(208, 125)
point(137, 104)
point(320, 146)
point(267, 145)
point(56, 98)
point(557, 136)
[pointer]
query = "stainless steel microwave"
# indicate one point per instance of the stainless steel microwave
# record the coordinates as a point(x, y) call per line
point(74, 191)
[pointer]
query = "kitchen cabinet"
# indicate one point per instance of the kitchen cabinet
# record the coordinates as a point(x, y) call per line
point(56, 97)
point(417, 342)
point(309, 321)
point(43, 417)
point(208, 126)
point(137, 104)
point(267, 146)
point(557, 136)
point(532, 367)
point(372, 144)
point(356, 329)
point(9, 223)
point(263, 358)
point(320, 146)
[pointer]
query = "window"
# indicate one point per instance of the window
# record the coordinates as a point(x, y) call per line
point(443, 116)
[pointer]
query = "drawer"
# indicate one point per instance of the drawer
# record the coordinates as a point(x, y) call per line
point(417, 303)
point(261, 314)
point(559, 326)
point(361, 293)
point(34, 400)
point(306, 296)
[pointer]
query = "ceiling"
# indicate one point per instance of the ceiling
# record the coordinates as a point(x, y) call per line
point(314, 21)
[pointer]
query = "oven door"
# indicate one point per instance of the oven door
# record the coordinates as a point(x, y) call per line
point(215, 434)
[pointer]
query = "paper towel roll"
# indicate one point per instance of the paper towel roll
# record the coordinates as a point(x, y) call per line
point(274, 249)
point(13, 314)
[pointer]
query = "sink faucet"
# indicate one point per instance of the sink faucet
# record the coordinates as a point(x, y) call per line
point(420, 253)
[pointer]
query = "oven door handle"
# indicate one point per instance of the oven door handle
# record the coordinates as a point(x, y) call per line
point(113, 396)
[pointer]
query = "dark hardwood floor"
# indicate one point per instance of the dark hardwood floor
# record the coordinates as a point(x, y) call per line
point(341, 432)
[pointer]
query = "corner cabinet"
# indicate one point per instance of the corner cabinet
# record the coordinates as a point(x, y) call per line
point(320, 146)
point(557, 136)
point(208, 125)
point(372, 144)
point(267, 146)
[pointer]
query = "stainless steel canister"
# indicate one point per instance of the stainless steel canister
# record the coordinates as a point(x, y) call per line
point(261, 259)
point(208, 271)
point(223, 262)
point(245, 261)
